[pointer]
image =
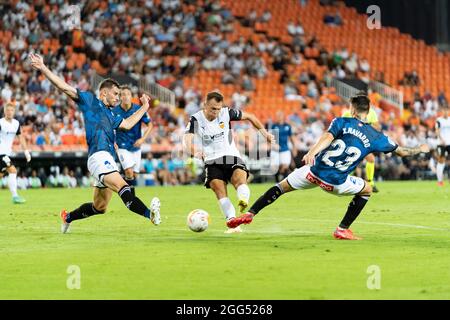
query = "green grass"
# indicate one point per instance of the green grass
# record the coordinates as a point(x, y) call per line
point(286, 253)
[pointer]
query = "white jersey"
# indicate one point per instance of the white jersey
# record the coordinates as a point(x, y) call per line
point(443, 124)
point(8, 131)
point(216, 136)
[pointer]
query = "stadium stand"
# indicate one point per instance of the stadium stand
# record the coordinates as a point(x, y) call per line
point(265, 56)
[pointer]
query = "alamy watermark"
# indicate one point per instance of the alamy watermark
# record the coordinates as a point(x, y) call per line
point(74, 279)
point(374, 279)
point(374, 19)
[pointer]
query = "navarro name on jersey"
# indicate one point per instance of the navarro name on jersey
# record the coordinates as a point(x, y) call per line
point(357, 134)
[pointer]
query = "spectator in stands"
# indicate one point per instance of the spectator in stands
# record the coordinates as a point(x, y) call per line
point(351, 64)
point(138, 38)
point(410, 79)
point(364, 65)
point(295, 29)
point(87, 180)
point(379, 76)
point(34, 182)
point(442, 99)
point(239, 100)
point(291, 92)
point(191, 106)
point(247, 84)
point(266, 16)
point(6, 93)
point(333, 19)
point(251, 19)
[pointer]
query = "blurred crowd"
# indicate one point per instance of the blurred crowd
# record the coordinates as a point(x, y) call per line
point(167, 41)
point(163, 171)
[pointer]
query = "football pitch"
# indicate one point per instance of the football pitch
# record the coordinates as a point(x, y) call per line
point(286, 253)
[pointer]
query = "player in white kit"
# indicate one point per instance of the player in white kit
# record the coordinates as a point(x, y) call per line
point(222, 159)
point(443, 133)
point(9, 129)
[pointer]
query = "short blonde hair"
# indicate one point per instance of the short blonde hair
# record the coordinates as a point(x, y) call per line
point(10, 104)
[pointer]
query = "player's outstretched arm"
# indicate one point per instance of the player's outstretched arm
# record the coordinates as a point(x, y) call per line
point(23, 144)
point(189, 146)
point(258, 125)
point(129, 122)
point(141, 140)
point(323, 143)
point(294, 148)
point(38, 63)
point(404, 152)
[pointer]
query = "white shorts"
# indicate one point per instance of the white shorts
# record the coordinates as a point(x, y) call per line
point(99, 164)
point(303, 178)
point(281, 158)
point(130, 159)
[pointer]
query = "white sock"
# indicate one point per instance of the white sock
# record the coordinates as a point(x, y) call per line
point(440, 171)
point(243, 192)
point(227, 208)
point(12, 183)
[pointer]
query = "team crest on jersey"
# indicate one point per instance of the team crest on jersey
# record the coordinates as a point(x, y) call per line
point(221, 124)
point(108, 164)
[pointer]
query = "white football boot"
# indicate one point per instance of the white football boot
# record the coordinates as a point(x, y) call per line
point(155, 215)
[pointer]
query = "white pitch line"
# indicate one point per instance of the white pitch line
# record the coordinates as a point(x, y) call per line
point(253, 230)
point(368, 222)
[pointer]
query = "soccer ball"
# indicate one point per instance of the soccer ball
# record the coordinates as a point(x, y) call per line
point(198, 220)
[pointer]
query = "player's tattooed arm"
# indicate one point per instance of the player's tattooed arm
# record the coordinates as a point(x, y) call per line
point(405, 152)
point(38, 63)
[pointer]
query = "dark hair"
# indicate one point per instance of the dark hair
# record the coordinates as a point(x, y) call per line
point(125, 87)
point(214, 95)
point(108, 84)
point(361, 102)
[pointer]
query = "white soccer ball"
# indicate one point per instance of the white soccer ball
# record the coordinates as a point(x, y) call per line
point(198, 220)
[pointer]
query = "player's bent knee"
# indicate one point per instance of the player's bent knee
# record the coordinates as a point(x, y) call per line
point(218, 188)
point(114, 181)
point(285, 186)
point(367, 191)
point(100, 211)
point(100, 207)
point(239, 182)
point(129, 173)
point(12, 170)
